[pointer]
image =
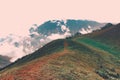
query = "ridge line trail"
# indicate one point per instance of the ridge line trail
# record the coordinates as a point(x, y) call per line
point(31, 71)
point(65, 46)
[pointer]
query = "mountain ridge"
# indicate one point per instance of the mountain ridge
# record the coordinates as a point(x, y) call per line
point(74, 58)
point(81, 57)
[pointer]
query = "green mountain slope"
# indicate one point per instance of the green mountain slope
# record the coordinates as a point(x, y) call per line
point(109, 36)
point(107, 39)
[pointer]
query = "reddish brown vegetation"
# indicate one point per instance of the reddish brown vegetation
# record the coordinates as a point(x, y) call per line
point(32, 71)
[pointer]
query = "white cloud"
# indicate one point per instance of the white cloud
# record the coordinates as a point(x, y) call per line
point(89, 27)
point(10, 50)
point(64, 28)
point(67, 34)
point(17, 53)
point(60, 36)
point(55, 36)
point(86, 30)
point(42, 40)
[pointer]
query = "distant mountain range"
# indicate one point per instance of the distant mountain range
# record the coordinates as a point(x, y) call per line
point(94, 56)
point(16, 46)
point(61, 26)
point(4, 61)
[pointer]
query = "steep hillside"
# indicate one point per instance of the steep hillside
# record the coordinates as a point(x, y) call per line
point(110, 35)
point(107, 39)
point(64, 60)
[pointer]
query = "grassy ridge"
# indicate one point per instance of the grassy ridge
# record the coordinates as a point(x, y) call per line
point(57, 61)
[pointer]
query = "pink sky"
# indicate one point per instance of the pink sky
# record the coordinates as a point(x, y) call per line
point(17, 16)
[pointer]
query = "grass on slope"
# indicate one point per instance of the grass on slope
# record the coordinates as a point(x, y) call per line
point(73, 61)
point(45, 50)
point(98, 45)
point(79, 63)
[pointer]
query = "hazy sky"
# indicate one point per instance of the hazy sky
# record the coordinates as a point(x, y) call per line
point(17, 16)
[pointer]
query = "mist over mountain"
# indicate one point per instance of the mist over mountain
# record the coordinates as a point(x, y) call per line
point(94, 56)
point(16, 46)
